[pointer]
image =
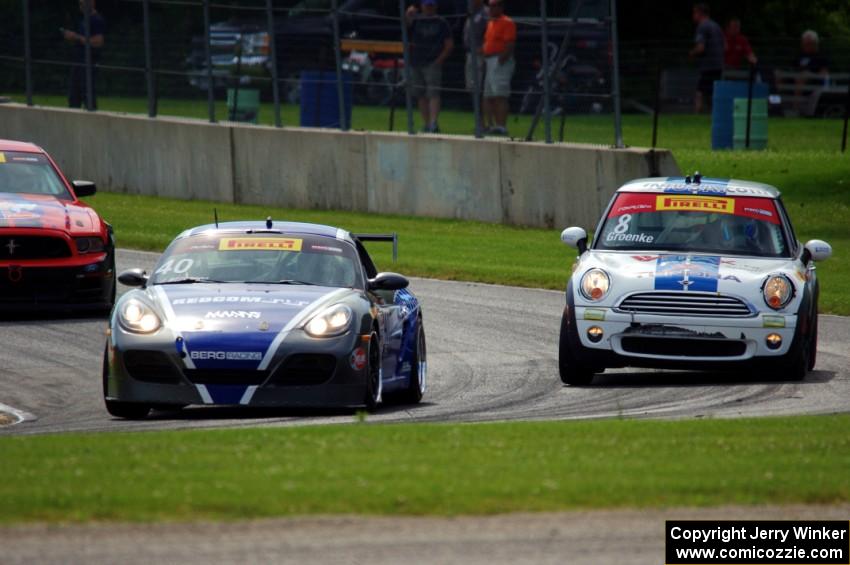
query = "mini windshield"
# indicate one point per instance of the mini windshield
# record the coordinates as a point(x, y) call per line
point(685, 222)
point(30, 173)
point(259, 258)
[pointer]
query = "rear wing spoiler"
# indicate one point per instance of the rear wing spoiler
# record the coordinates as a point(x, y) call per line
point(385, 237)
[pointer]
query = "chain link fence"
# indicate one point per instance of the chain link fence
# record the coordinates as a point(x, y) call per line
point(347, 63)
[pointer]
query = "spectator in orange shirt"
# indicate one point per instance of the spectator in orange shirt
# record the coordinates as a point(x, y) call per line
point(737, 46)
point(498, 51)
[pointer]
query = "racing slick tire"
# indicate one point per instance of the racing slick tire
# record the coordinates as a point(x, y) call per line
point(126, 410)
point(573, 372)
point(372, 396)
point(800, 358)
point(813, 349)
point(416, 387)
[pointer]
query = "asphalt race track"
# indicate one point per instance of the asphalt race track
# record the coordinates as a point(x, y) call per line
point(492, 355)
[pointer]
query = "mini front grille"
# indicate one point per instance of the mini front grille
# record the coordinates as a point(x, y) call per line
point(304, 369)
point(22, 247)
point(684, 348)
point(226, 376)
point(685, 304)
point(151, 366)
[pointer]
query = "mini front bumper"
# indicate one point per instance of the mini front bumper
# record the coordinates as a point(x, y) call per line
point(167, 380)
point(727, 339)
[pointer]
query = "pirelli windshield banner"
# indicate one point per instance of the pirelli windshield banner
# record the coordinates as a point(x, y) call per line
point(757, 542)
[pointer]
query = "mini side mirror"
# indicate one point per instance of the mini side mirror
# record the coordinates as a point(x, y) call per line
point(388, 281)
point(133, 277)
point(816, 250)
point(84, 188)
point(575, 237)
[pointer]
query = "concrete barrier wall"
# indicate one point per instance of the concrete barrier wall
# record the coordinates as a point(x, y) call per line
point(530, 184)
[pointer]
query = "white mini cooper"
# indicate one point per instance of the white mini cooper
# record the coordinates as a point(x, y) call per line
point(691, 273)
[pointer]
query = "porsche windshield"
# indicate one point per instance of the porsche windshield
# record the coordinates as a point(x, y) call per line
point(685, 222)
point(259, 258)
point(29, 173)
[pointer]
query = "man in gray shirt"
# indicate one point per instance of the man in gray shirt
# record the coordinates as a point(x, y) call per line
point(708, 51)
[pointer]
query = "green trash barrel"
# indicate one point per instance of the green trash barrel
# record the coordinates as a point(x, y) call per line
point(758, 124)
point(244, 105)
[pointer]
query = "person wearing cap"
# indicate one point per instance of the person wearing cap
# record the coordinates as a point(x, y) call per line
point(498, 51)
point(431, 43)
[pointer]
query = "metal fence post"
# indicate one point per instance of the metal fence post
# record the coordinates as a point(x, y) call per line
point(89, 78)
point(476, 73)
point(406, 44)
point(846, 118)
point(146, 17)
point(27, 53)
point(208, 56)
point(615, 78)
point(547, 72)
point(750, 81)
point(273, 54)
point(338, 60)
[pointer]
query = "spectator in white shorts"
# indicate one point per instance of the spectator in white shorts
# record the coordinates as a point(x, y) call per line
point(430, 44)
point(499, 42)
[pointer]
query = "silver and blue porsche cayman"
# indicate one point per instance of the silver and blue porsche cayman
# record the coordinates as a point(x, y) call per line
point(264, 314)
point(691, 273)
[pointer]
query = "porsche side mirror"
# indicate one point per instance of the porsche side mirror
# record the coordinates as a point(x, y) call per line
point(388, 281)
point(84, 188)
point(133, 277)
point(816, 250)
point(575, 237)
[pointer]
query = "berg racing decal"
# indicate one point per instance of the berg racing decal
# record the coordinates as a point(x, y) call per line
point(259, 244)
point(227, 355)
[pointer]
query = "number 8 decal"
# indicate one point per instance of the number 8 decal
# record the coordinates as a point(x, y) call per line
point(623, 224)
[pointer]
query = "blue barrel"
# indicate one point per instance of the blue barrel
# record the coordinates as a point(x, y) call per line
point(723, 109)
point(319, 100)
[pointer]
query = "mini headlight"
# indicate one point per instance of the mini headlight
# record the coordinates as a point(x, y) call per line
point(89, 245)
point(595, 284)
point(137, 317)
point(330, 321)
point(778, 291)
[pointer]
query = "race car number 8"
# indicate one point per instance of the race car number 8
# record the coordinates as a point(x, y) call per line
point(179, 268)
point(623, 224)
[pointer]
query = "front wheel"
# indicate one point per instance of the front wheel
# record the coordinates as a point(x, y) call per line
point(374, 380)
point(801, 357)
point(572, 371)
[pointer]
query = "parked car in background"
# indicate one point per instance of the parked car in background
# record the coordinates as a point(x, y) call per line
point(304, 41)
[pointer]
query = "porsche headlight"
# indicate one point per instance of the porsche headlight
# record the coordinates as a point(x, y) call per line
point(137, 317)
point(330, 321)
point(89, 244)
point(778, 291)
point(595, 284)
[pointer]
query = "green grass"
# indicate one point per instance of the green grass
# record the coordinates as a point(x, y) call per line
point(803, 161)
point(423, 469)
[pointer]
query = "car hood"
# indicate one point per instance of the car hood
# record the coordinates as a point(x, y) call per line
point(44, 211)
point(235, 326)
point(695, 272)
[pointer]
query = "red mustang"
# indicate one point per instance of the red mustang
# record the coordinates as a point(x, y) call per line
point(55, 251)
